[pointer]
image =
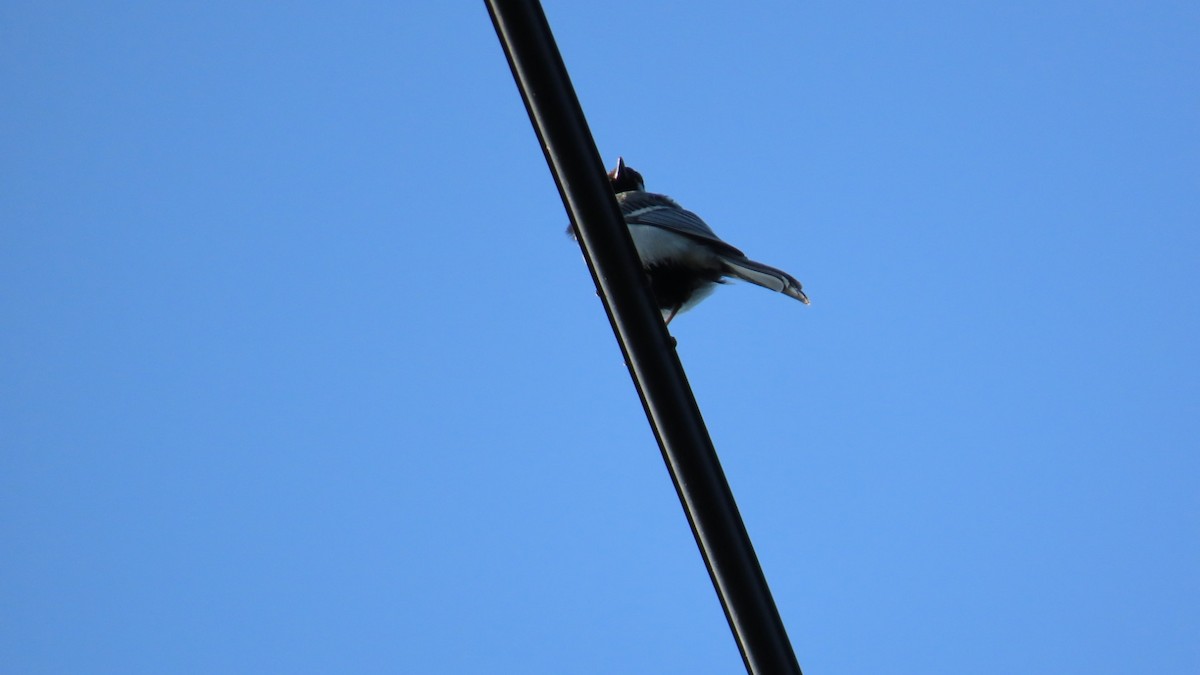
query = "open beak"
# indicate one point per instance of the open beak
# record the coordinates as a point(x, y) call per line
point(616, 173)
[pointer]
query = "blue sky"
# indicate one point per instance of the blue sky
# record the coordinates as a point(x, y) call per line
point(300, 373)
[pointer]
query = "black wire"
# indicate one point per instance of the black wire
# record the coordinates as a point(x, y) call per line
point(649, 351)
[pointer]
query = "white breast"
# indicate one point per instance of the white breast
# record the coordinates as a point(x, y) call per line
point(655, 244)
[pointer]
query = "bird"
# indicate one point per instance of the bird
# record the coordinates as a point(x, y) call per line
point(683, 258)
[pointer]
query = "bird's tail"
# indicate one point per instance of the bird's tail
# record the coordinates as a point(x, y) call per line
point(764, 275)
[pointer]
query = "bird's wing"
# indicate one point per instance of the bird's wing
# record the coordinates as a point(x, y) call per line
point(647, 208)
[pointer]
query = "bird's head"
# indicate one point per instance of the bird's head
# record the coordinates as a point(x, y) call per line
point(625, 179)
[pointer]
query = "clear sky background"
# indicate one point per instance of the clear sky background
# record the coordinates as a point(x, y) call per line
point(301, 375)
